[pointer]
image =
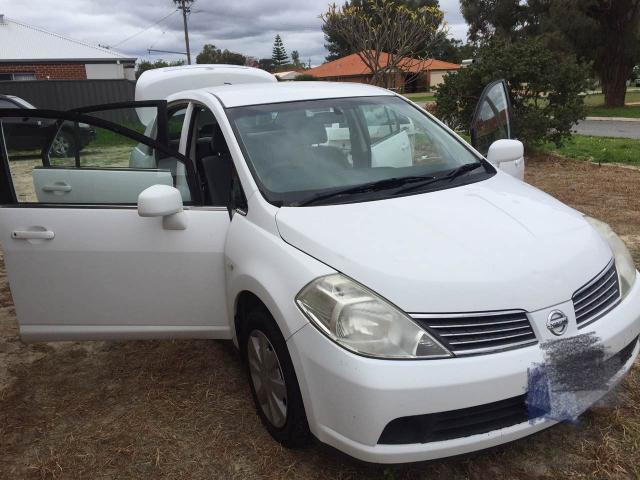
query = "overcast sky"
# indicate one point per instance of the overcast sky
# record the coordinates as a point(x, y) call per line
point(246, 26)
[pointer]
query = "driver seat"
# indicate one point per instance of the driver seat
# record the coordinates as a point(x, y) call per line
point(218, 169)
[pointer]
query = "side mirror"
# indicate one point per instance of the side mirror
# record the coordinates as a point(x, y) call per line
point(508, 155)
point(163, 201)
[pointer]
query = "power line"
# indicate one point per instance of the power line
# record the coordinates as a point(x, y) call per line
point(145, 29)
point(151, 50)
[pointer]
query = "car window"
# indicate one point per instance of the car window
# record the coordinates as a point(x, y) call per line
point(7, 104)
point(142, 155)
point(209, 150)
point(22, 102)
point(59, 161)
point(381, 121)
point(299, 150)
point(491, 121)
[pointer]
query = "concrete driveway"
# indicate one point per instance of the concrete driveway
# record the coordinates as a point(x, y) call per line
point(613, 127)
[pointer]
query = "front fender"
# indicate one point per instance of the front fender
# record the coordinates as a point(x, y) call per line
point(259, 261)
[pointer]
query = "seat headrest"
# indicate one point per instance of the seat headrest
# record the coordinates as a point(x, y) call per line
point(304, 130)
point(218, 142)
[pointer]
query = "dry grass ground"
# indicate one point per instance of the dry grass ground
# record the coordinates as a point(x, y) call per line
point(182, 409)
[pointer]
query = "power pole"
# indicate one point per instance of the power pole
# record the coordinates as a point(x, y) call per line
point(185, 6)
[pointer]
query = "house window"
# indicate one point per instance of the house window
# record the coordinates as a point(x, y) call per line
point(21, 76)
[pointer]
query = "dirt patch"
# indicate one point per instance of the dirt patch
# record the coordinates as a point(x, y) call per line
point(182, 409)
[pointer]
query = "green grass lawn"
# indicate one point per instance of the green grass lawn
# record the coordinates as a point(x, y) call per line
point(107, 138)
point(594, 103)
point(598, 149)
point(596, 108)
point(597, 99)
point(420, 97)
point(624, 112)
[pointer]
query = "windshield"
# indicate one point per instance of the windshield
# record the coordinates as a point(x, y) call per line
point(348, 150)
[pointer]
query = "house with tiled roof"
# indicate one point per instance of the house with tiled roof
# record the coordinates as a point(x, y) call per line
point(411, 75)
point(31, 53)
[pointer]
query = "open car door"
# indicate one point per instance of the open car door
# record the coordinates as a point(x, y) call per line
point(81, 262)
point(492, 121)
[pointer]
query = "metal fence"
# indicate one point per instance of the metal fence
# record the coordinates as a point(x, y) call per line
point(67, 94)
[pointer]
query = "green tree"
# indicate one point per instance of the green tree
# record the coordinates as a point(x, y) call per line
point(383, 26)
point(279, 54)
point(545, 89)
point(338, 47)
point(448, 49)
point(604, 33)
point(145, 65)
point(295, 59)
point(505, 20)
point(211, 54)
point(266, 64)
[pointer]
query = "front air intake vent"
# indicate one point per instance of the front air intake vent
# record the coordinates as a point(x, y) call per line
point(597, 297)
point(479, 333)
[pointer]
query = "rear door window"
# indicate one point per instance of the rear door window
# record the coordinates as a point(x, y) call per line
point(78, 159)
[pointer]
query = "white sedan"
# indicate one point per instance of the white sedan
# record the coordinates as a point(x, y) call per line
point(394, 292)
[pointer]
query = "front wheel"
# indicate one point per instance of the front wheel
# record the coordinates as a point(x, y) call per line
point(274, 385)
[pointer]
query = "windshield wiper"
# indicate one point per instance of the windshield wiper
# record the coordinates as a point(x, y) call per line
point(456, 172)
point(366, 187)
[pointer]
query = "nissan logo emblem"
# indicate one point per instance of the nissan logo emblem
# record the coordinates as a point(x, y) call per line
point(557, 322)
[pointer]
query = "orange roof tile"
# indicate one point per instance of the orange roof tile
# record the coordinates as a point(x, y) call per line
point(353, 65)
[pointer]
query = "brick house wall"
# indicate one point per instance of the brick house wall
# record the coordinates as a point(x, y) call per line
point(48, 71)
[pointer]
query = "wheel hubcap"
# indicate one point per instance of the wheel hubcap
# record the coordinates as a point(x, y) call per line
point(60, 145)
point(267, 378)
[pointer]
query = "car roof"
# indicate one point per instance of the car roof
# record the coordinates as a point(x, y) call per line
point(263, 93)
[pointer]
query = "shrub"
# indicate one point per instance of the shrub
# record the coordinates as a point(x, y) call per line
point(305, 77)
point(545, 89)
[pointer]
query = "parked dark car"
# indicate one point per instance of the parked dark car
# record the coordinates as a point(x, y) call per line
point(20, 134)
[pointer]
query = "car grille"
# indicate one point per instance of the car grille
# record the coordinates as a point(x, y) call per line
point(479, 333)
point(597, 297)
point(435, 427)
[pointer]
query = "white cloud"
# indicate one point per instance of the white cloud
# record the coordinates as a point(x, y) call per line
point(248, 26)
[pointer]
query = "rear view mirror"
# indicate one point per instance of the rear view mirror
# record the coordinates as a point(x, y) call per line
point(507, 155)
point(163, 201)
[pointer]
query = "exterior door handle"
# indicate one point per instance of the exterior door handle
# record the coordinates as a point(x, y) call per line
point(57, 187)
point(33, 234)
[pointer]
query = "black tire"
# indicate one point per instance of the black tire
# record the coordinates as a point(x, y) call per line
point(295, 431)
point(63, 145)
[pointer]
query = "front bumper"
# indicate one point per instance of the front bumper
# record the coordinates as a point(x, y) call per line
point(349, 399)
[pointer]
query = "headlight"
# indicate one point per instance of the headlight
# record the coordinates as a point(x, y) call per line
point(624, 261)
point(363, 322)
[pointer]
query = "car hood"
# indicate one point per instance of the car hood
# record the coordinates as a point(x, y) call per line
point(492, 245)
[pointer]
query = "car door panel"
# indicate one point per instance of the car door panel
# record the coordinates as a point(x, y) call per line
point(394, 151)
point(110, 268)
point(102, 271)
point(90, 186)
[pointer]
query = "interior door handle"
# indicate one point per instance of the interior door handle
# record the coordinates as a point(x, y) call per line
point(33, 234)
point(56, 187)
